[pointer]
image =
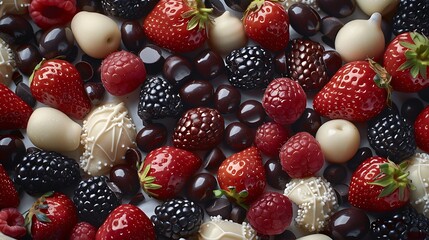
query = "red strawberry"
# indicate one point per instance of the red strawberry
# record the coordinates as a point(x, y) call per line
point(421, 130)
point(50, 13)
point(122, 72)
point(270, 137)
point(379, 185)
point(126, 222)
point(407, 59)
point(83, 231)
point(301, 156)
point(166, 170)
point(267, 23)
point(241, 176)
point(357, 92)
point(14, 112)
point(57, 83)
point(12, 223)
point(199, 129)
point(52, 216)
point(284, 100)
point(270, 214)
point(177, 25)
point(9, 197)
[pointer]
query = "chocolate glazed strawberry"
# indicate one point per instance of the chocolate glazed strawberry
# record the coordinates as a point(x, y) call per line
point(58, 84)
point(178, 25)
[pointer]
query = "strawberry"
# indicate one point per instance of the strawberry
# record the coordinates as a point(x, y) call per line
point(358, 91)
point(379, 185)
point(284, 100)
point(122, 72)
point(126, 222)
point(270, 214)
point(12, 223)
point(50, 13)
point(406, 59)
point(270, 137)
point(177, 25)
point(9, 197)
point(83, 231)
point(267, 23)
point(14, 112)
point(421, 130)
point(57, 83)
point(166, 170)
point(52, 216)
point(301, 156)
point(241, 177)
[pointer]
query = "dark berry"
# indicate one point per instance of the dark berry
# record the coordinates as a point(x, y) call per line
point(411, 108)
point(412, 15)
point(128, 9)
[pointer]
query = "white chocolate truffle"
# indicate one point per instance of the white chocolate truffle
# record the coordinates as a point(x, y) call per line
point(226, 230)
point(227, 33)
point(7, 62)
point(339, 140)
point(311, 3)
point(107, 133)
point(14, 6)
point(52, 130)
point(316, 236)
point(316, 202)
point(419, 175)
point(360, 39)
point(384, 7)
point(97, 34)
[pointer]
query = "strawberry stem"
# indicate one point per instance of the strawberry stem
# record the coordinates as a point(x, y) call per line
point(417, 55)
point(231, 193)
point(147, 182)
point(199, 14)
point(382, 78)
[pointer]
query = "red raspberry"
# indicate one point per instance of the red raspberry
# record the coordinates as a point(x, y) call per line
point(199, 129)
point(270, 137)
point(83, 231)
point(12, 223)
point(270, 214)
point(122, 72)
point(421, 130)
point(301, 156)
point(284, 100)
point(50, 13)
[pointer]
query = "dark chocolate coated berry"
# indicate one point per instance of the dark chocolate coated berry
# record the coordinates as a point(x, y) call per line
point(238, 214)
point(227, 98)
point(360, 156)
point(251, 113)
point(276, 177)
point(329, 29)
point(239, 136)
point(309, 121)
point(15, 29)
point(209, 64)
point(197, 93)
point(151, 136)
point(27, 56)
point(55, 42)
point(349, 223)
point(23, 91)
point(177, 70)
point(333, 62)
point(133, 36)
point(151, 55)
point(304, 19)
point(12, 151)
point(126, 178)
point(200, 187)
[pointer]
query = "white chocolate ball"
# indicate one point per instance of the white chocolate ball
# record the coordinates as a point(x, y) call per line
point(339, 140)
point(316, 236)
point(52, 130)
point(419, 175)
point(360, 39)
point(225, 229)
point(384, 7)
point(96, 34)
point(227, 33)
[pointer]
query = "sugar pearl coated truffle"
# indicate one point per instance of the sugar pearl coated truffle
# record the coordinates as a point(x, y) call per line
point(52, 130)
point(384, 7)
point(419, 175)
point(96, 34)
point(227, 33)
point(225, 229)
point(316, 236)
point(361, 39)
point(339, 140)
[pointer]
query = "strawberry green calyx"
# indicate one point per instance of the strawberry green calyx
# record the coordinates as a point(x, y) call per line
point(35, 210)
point(382, 78)
point(417, 55)
point(199, 14)
point(147, 182)
point(37, 67)
point(393, 177)
point(231, 193)
point(255, 5)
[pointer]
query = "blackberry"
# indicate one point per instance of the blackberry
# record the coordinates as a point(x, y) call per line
point(128, 9)
point(177, 218)
point(305, 64)
point(405, 223)
point(391, 136)
point(158, 99)
point(249, 67)
point(95, 199)
point(43, 171)
point(412, 15)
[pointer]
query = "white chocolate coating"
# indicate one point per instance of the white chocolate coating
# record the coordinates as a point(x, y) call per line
point(316, 236)
point(227, 33)
point(7, 62)
point(419, 175)
point(226, 230)
point(107, 133)
point(360, 39)
point(339, 140)
point(96, 34)
point(316, 202)
point(52, 130)
point(384, 7)
point(14, 6)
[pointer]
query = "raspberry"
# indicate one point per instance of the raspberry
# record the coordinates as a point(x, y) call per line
point(12, 223)
point(284, 100)
point(270, 214)
point(122, 72)
point(301, 156)
point(270, 137)
point(50, 13)
point(83, 231)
